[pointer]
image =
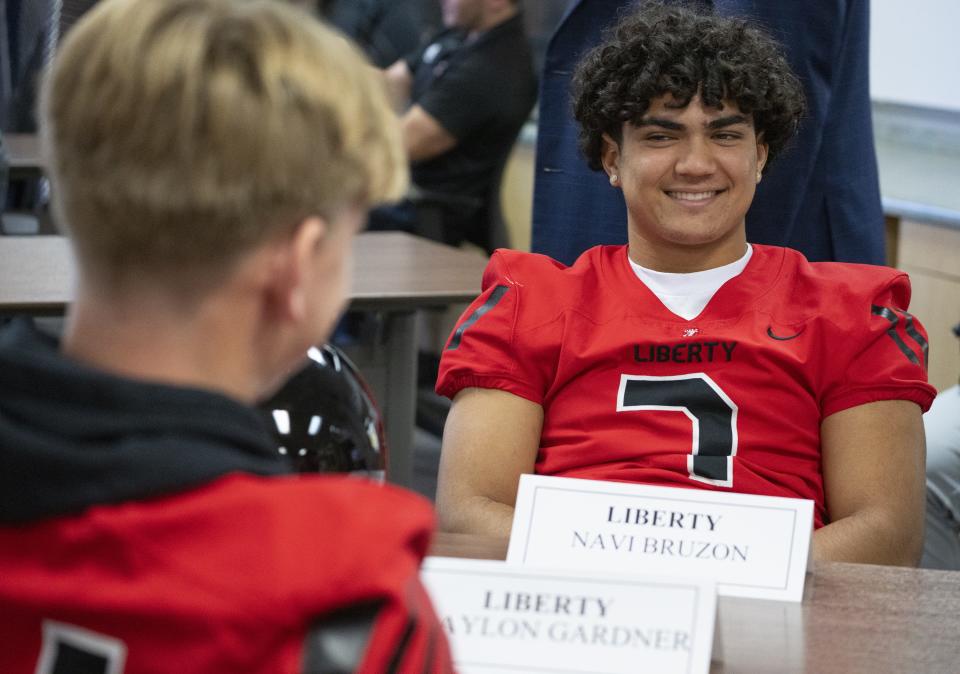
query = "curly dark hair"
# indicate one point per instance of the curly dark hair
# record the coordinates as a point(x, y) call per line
point(660, 49)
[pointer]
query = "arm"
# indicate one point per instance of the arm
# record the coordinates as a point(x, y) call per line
point(399, 81)
point(490, 438)
point(423, 136)
point(873, 472)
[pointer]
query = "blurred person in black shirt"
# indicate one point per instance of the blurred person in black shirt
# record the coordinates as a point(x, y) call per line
point(463, 97)
point(385, 29)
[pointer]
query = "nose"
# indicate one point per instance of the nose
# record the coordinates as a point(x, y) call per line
point(695, 158)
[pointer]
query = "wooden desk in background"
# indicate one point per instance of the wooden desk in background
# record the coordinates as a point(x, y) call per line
point(395, 274)
point(854, 618)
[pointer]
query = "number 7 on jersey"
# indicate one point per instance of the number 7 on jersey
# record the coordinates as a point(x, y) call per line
point(712, 414)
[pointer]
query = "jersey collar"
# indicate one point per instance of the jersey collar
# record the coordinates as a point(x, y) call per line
point(737, 296)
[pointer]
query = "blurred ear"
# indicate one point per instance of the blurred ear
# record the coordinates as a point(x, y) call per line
point(293, 266)
point(610, 158)
point(763, 151)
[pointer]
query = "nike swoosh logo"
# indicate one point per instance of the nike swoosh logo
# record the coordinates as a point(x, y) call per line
point(783, 339)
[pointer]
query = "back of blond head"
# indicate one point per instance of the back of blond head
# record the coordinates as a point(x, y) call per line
point(181, 133)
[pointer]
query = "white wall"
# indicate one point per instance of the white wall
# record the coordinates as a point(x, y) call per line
point(915, 52)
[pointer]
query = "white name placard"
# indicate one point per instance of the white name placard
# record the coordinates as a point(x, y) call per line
point(501, 619)
point(752, 546)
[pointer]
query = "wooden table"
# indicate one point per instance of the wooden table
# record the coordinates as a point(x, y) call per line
point(853, 618)
point(394, 273)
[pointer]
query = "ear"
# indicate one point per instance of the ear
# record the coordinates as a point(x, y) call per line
point(610, 159)
point(294, 268)
point(763, 151)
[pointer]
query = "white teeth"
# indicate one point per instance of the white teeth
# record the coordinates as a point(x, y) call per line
point(692, 196)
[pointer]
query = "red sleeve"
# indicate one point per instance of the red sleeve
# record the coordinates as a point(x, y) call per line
point(508, 337)
point(887, 349)
point(408, 637)
point(352, 572)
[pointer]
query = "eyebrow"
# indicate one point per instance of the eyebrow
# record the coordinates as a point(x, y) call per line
point(718, 123)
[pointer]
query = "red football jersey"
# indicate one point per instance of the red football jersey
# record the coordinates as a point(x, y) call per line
point(247, 574)
point(732, 399)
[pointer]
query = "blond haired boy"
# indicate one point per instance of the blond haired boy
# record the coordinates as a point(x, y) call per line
point(211, 161)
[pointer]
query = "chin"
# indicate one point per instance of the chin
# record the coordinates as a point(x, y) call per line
point(698, 234)
point(689, 240)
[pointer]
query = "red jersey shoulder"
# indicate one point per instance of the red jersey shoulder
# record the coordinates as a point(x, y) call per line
point(838, 292)
point(860, 280)
point(241, 526)
point(331, 497)
point(340, 518)
point(270, 558)
point(510, 337)
point(871, 348)
point(546, 288)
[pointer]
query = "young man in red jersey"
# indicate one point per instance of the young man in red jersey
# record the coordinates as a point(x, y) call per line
point(212, 161)
point(690, 357)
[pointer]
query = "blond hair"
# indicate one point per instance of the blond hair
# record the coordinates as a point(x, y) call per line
point(180, 133)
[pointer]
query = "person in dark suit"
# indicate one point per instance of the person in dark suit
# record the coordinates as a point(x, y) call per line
point(821, 197)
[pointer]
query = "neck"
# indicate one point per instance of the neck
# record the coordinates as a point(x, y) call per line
point(150, 336)
point(684, 258)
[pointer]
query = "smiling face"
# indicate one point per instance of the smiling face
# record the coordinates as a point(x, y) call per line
point(688, 176)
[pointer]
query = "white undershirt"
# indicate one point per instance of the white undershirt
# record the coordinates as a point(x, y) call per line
point(687, 294)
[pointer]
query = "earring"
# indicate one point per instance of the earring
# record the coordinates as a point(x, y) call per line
point(759, 175)
point(614, 178)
